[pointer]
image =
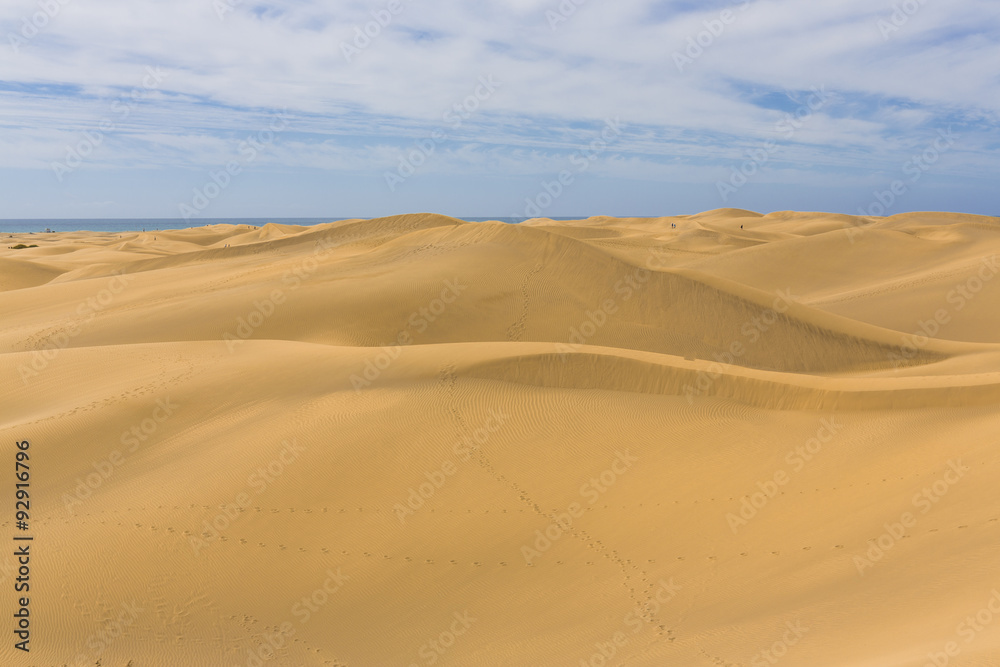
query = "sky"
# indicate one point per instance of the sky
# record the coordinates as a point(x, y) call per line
point(505, 108)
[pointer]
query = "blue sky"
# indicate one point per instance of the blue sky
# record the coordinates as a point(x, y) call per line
point(512, 108)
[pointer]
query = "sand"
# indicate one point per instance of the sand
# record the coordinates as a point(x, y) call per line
point(719, 439)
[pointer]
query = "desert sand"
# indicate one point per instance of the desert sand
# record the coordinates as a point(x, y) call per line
point(725, 439)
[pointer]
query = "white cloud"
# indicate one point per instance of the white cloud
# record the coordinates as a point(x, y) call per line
point(608, 59)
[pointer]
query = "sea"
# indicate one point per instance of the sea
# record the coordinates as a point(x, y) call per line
point(151, 224)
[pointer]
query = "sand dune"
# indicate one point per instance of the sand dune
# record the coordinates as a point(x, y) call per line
point(718, 439)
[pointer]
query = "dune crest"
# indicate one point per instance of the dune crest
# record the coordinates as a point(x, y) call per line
point(415, 440)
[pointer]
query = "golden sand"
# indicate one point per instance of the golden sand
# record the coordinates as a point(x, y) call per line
point(719, 439)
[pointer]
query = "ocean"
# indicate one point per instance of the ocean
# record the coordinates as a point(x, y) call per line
point(150, 224)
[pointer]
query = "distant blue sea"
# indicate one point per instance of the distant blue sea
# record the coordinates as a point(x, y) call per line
point(139, 224)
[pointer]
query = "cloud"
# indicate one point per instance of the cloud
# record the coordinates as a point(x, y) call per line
point(364, 81)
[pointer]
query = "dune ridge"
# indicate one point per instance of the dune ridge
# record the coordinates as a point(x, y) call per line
point(687, 440)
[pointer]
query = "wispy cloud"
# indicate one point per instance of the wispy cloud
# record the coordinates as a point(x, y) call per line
point(228, 71)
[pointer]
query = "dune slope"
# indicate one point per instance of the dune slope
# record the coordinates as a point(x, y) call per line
point(720, 439)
